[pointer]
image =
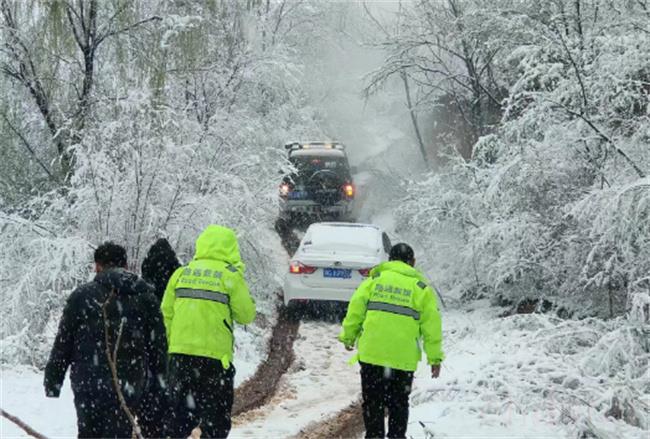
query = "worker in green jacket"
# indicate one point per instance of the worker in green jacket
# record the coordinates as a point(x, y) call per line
point(390, 315)
point(200, 304)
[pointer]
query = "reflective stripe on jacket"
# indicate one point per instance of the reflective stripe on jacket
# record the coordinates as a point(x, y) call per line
point(390, 314)
point(203, 298)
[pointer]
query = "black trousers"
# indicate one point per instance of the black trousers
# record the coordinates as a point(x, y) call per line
point(99, 415)
point(202, 394)
point(384, 388)
point(155, 414)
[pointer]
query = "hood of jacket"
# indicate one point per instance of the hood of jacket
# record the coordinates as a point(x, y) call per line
point(219, 243)
point(122, 281)
point(401, 268)
point(160, 263)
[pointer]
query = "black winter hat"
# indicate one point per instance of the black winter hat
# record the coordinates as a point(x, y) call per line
point(159, 264)
point(401, 252)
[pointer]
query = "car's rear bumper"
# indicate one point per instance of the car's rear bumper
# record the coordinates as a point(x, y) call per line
point(311, 207)
point(294, 289)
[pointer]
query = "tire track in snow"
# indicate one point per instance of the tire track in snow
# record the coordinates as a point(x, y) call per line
point(319, 384)
point(347, 423)
point(259, 389)
point(305, 387)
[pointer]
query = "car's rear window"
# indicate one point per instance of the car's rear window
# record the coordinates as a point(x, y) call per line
point(342, 238)
point(308, 165)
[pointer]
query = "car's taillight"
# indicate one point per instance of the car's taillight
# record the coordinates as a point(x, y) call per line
point(284, 189)
point(296, 267)
point(348, 190)
point(364, 271)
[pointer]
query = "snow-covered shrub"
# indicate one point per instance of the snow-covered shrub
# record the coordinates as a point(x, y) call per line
point(640, 309)
point(554, 201)
point(571, 375)
point(186, 128)
point(39, 265)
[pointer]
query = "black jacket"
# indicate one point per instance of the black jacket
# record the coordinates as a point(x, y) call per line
point(80, 341)
point(159, 265)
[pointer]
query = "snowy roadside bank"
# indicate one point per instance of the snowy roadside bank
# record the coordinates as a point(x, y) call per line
point(533, 376)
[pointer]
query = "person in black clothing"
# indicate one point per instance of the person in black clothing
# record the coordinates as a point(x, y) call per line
point(133, 311)
point(159, 265)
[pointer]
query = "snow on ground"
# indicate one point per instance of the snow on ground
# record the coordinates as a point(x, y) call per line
point(22, 395)
point(525, 376)
point(465, 400)
point(249, 351)
point(319, 384)
point(251, 341)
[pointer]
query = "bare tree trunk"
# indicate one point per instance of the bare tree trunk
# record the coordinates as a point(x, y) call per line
point(30, 148)
point(83, 27)
point(26, 75)
point(577, 5)
point(414, 119)
point(265, 23)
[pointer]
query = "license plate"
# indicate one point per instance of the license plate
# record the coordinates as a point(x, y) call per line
point(297, 195)
point(339, 273)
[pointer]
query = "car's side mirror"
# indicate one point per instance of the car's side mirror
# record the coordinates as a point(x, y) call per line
point(386, 241)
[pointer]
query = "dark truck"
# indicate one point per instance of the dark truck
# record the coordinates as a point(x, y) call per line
point(320, 185)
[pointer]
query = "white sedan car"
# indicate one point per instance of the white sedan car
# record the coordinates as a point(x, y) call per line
point(332, 260)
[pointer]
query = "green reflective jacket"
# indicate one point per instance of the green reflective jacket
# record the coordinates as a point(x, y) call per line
point(203, 298)
point(391, 314)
